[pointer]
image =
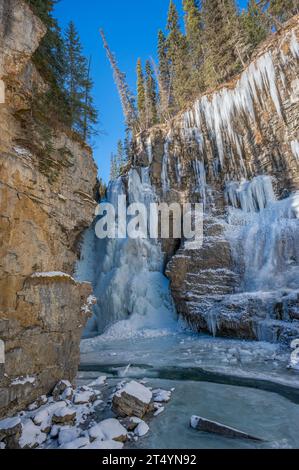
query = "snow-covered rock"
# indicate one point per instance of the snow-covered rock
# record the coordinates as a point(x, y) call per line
point(105, 445)
point(64, 416)
point(61, 388)
point(96, 433)
point(161, 396)
point(131, 423)
point(159, 409)
point(99, 382)
point(134, 399)
point(111, 429)
point(55, 431)
point(10, 431)
point(84, 396)
point(38, 403)
point(9, 424)
point(31, 436)
point(68, 434)
point(142, 429)
point(76, 444)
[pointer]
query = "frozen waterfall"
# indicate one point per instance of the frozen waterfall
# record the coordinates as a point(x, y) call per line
point(132, 292)
point(265, 239)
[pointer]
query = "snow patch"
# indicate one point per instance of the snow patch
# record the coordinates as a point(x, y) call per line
point(138, 391)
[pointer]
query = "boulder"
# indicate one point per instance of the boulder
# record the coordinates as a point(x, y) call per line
point(64, 416)
point(161, 396)
point(60, 388)
point(133, 399)
point(32, 436)
point(10, 432)
point(131, 423)
point(84, 396)
point(110, 430)
point(142, 429)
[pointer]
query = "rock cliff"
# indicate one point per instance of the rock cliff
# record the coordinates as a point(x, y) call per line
point(236, 150)
point(46, 202)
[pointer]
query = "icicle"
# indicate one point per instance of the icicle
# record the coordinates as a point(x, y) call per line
point(250, 196)
point(219, 110)
point(295, 149)
point(201, 181)
point(149, 149)
point(165, 162)
point(294, 45)
point(178, 170)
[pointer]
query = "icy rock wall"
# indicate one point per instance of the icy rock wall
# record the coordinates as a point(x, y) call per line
point(236, 151)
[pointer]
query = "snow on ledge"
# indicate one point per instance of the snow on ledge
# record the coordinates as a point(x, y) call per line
point(52, 275)
point(23, 381)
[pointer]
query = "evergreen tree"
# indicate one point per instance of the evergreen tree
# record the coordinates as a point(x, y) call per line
point(113, 168)
point(126, 97)
point(120, 157)
point(282, 10)
point(102, 189)
point(225, 41)
point(194, 32)
point(79, 85)
point(90, 113)
point(178, 57)
point(127, 146)
point(164, 74)
point(141, 94)
point(51, 64)
point(151, 96)
point(254, 25)
point(76, 72)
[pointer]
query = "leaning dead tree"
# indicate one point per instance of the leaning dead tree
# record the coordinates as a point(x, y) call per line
point(126, 97)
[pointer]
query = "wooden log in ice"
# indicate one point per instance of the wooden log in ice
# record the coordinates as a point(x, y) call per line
point(205, 425)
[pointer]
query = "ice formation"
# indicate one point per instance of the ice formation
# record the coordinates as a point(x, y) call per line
point(165, 162)
point(295, 149)
point(132, 293)
point(268, 236)
point(219, 111)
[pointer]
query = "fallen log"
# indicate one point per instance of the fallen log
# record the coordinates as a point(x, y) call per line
point(205, 425)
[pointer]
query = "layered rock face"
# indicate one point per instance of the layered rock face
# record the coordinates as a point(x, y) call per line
point(236, 150)
point(46, 202)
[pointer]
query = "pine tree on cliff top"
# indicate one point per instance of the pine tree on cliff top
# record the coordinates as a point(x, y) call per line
point(164, 74)
point(76, 69)
point(224, 39)
point(283, 9)
point(83, 115)
point(90, 113)
point(113, 168)
point(50, 62)
point(179, 60)
point(254, 25)
point(141, 94)
point(151, 96)
point(194, 33)
point(120, 156)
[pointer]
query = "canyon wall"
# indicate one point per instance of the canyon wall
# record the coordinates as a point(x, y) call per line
point(236, 150)
point(47, 199)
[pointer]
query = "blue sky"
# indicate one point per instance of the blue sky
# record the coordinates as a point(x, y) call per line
point(131, 28)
